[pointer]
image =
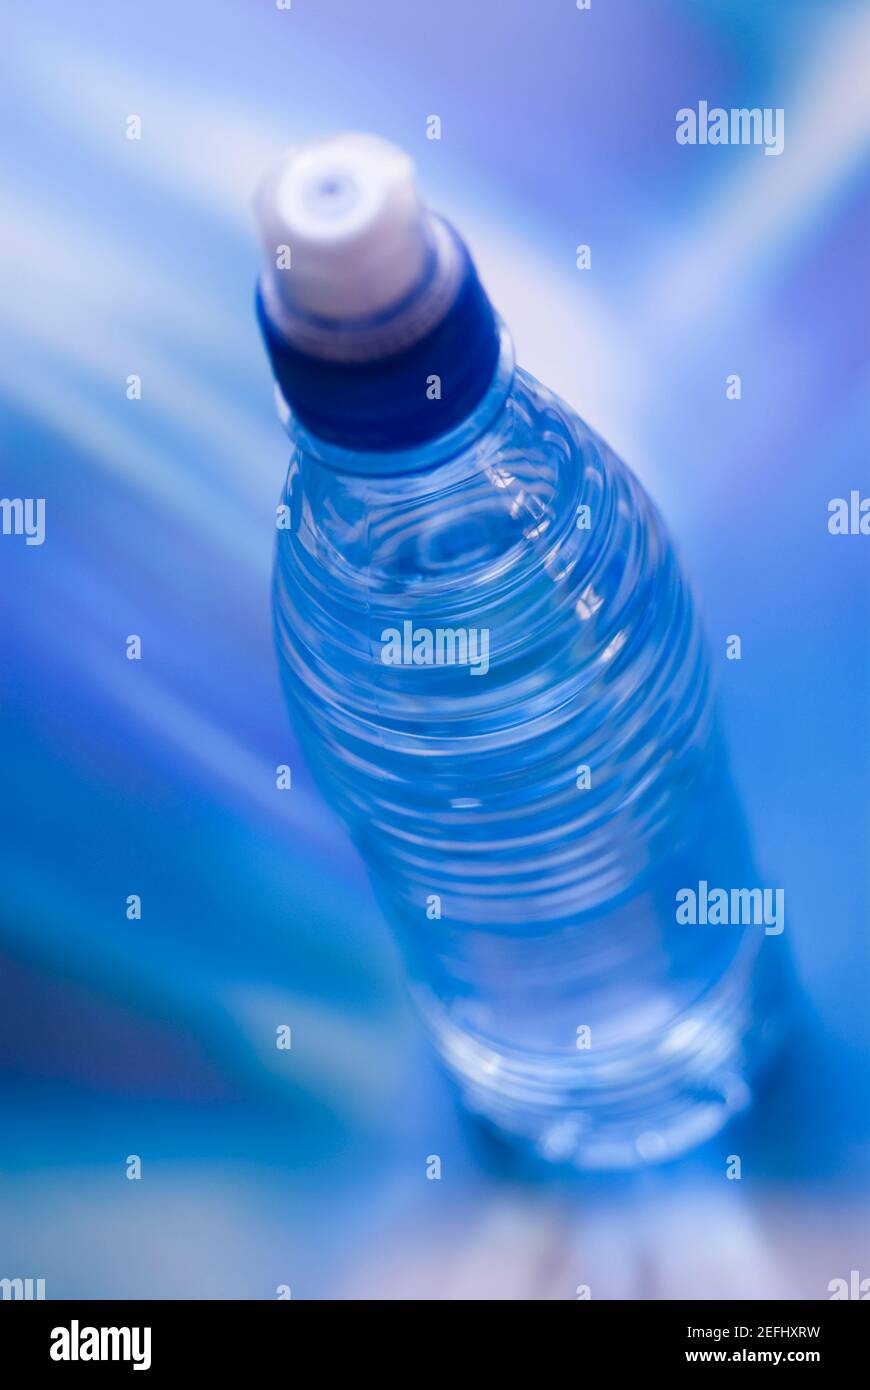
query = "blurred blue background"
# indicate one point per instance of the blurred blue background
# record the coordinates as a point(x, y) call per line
point(157, 1037)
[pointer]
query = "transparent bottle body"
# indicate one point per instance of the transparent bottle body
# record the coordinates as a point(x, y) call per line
point(527, 826)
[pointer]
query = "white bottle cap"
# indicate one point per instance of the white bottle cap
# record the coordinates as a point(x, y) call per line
point(348, 211)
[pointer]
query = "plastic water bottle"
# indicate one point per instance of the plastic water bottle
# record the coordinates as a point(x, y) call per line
point(495, 669)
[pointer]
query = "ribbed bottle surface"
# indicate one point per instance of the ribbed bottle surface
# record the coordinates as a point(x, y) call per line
point(528, 815)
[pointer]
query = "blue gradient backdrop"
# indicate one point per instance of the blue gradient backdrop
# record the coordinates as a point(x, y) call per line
point(307, 1167)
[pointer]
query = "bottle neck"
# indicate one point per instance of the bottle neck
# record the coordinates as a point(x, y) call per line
point(421, 455)
point(392, 381)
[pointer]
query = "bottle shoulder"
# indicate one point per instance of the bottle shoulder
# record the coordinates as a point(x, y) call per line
point(537, 478)
point(538, 543)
